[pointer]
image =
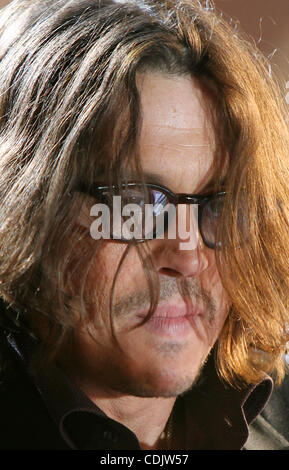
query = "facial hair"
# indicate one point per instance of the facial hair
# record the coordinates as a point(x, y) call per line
point(189, 289)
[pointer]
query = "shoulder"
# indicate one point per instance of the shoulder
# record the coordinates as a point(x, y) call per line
point(270, 431)
point(24, 420)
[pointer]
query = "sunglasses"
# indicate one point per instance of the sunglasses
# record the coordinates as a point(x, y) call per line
point(159, 198)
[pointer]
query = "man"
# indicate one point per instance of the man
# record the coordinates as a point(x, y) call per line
point(122, 332)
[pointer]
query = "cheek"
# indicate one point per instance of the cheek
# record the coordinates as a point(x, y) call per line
point(211, 282)
point(131, 276)
point(100, 280)
point(210, 277)
point(115, 269)
point(105, 263)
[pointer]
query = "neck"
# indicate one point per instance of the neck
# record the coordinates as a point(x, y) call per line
point(146, 417)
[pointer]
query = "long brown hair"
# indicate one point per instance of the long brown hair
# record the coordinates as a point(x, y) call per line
point(70, 111)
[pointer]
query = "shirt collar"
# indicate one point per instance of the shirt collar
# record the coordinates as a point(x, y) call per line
point(73, 412)
point(222, 413)
point(212, 415)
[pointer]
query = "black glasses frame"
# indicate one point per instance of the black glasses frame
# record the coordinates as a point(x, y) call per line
point(97, 191)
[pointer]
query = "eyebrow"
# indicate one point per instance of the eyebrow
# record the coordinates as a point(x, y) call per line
point(149, 177)
point(155, 178)
point(159, 179)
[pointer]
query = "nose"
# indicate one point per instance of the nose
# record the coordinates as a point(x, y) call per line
point(183, 255)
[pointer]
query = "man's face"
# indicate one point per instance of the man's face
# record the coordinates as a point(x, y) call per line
point(164, 356)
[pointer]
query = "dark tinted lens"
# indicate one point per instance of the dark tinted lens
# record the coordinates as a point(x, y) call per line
point(156, 221)
point(210, 218)
point(133, 200)
point(159, 201)
point(151, 205)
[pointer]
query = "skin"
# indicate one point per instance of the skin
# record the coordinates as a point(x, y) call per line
point(137, 381)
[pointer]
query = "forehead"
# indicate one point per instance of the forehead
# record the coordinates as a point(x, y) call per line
point(177, 140)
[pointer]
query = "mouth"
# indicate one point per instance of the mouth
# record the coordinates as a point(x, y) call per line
point(169, 320)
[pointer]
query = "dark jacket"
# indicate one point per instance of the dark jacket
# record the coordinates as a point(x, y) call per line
point(270, 431)
point(48, 412)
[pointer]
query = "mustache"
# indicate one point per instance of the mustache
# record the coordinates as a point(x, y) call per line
point(190, 290)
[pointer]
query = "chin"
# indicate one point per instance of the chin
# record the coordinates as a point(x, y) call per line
point(166, 371)
point(158, 383)
point(161, 390)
